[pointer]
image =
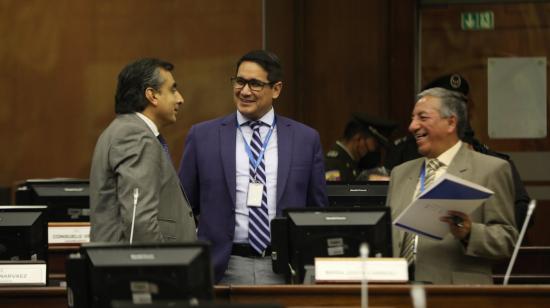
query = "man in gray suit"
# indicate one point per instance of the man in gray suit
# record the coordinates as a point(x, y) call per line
point(465, 255)
point(135, 193)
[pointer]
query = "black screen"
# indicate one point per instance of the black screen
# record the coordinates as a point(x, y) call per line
point(372, 193)
point(67, 199)
point(23, 233)
point(142, 273)
point(331, 232)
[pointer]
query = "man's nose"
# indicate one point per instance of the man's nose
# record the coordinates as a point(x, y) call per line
point(246, 89)
point(413, 126)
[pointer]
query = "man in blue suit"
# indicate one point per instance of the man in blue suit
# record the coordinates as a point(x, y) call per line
point(243, 169)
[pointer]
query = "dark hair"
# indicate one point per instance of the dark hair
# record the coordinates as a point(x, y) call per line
point(268, 61)
point(452, 103)
point(134, 79)
point(355, 127)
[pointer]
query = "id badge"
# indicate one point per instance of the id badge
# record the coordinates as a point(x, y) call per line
point(255, 192)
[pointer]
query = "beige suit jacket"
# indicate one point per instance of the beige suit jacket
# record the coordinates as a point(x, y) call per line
point(128, 156)
point(493, 233)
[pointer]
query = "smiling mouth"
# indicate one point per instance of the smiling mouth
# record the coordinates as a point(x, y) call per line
point(420, 136)
point(246, 101)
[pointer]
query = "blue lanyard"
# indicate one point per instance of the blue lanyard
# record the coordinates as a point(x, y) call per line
point(248, 150)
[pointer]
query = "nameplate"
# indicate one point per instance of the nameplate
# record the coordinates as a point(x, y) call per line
point(357, 269)
point(21, 273)
point(59, 233)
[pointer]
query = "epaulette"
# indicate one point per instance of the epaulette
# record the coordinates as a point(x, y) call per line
point(400, 140)
point(333, 175)
point(332, 154)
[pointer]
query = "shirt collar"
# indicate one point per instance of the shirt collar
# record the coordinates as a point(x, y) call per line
point(149, 123)
point(267, 118)
point(447, 157)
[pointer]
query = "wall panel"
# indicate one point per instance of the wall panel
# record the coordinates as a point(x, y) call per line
point(521, 30)
point(344, 63)
point(59, 62)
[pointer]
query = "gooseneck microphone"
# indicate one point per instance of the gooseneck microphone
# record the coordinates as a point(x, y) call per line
point(364, 254)
point(418, 295)
point(136, 196)
point(530, 210)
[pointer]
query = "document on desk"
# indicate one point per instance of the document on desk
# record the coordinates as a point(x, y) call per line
point(447, 193)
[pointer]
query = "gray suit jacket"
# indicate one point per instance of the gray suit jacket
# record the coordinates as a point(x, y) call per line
point(493, 233)
point(128, 156)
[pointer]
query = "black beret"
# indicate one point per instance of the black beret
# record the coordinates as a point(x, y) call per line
point(452, 82)
point(378, 127)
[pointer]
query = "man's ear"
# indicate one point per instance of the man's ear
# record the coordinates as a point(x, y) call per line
point(150, 94)
point(277, 88)
point(453, 122)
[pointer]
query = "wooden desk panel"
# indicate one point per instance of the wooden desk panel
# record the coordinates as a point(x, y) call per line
point(326, 296)
point(394, 295)
point(57, 254)
point(33, 297)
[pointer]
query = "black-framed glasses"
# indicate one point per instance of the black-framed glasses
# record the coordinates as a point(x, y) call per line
point(254, 84)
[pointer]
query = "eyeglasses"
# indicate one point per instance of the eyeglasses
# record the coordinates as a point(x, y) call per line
point(254, 84)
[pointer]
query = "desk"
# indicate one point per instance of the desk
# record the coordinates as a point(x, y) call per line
point(326, 296)
point(32, 297)
point(395, 295)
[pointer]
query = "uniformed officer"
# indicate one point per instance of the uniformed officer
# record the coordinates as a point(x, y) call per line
point(362, 138)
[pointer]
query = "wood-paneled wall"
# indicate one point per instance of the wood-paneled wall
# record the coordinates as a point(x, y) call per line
point(345, 56)
point(60, 59)
point(339, 55)
point(521, 30)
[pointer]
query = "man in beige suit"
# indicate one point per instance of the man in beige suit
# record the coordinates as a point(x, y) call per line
point(135, 193)
point(465, 255)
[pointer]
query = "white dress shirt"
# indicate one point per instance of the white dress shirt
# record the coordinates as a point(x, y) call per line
point(149, 123)
point(446, 158)
point(243, 172)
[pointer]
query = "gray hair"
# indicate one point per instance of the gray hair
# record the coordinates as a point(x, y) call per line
point(452, 103)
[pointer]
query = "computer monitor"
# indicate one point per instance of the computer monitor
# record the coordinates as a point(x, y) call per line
point(305, 233)
point(67, 199)
point(371, 193)
point(142, 273)
point(23, 233)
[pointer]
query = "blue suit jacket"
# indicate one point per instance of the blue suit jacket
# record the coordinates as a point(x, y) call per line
point(208, 174)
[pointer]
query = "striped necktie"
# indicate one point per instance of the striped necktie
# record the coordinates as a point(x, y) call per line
point(258, 217)
point(410, 240)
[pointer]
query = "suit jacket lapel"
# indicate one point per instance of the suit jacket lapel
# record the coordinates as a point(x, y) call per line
point(228, 135)
point(408, 189)
point(408, 185)
point(284, 151)
point(460, 165)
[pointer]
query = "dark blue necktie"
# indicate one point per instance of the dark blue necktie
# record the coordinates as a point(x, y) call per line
point(258, 217)
point(164, 144)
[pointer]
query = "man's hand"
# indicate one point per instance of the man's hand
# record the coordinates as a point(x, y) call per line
point(460, 224)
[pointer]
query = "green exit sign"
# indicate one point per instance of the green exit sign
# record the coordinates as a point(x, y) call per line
point(477, 20)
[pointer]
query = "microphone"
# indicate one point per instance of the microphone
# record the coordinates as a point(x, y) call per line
point(136, 196)
point(530, 210)
point(364, 254)
point(418, 295)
